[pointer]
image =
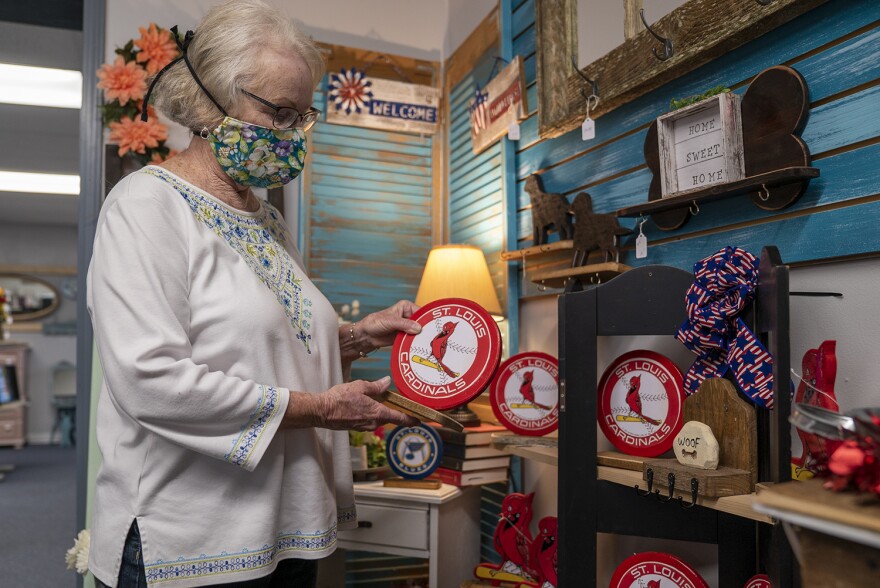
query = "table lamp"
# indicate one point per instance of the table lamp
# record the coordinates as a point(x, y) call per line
point(459, 271)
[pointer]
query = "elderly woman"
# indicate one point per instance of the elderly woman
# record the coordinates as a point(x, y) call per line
point(223, 413)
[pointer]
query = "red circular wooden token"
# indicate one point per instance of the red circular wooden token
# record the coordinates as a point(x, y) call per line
point(452, 360)
point(759, 581)
point(525, 393)
point(640, 399)
point(653, 569)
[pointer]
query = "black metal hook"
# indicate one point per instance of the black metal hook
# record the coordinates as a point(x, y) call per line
point(668, 49)
point(764, 2)
point(695, 487)
point(594, 85)
point(650, 475)
point(670, 480)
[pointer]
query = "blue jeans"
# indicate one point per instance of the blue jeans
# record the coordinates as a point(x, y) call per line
point(290, 573)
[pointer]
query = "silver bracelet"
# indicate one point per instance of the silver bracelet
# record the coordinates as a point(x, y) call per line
point(361, 353)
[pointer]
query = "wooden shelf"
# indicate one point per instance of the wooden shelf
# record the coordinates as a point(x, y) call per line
point(559, 277)
point(718, 191)
point(740, 506)
point(542, 449)
point(848, 515)
point(538, 250)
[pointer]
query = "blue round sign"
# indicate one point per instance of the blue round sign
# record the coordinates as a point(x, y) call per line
point(414, 452)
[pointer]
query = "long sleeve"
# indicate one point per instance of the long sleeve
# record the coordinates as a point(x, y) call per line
point(139, 302)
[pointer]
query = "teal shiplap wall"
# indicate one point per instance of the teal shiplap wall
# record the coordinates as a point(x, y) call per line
point(369, 218)
point(837, 49)
point(476, 196)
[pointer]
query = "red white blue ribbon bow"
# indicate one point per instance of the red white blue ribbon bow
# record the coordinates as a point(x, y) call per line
point(724, 283)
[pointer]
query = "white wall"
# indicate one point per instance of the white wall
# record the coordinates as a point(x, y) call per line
point(853, 321)
point(22, 244)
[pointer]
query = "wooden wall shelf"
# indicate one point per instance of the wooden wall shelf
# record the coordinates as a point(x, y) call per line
point(775, 178)
point(538, 250)
point(559, 278)
point(542, 449)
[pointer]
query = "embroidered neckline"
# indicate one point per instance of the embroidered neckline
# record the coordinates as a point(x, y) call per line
point(260, 239)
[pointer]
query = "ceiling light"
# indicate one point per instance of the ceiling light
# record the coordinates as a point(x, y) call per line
point(40, 86)
point(39, 183)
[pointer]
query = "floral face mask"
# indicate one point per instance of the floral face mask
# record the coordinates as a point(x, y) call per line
point(258, 156)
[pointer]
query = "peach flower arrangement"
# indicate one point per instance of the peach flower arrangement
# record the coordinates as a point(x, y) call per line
point(125, 83)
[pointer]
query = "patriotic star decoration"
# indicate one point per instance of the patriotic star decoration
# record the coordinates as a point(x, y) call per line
point(350, 90)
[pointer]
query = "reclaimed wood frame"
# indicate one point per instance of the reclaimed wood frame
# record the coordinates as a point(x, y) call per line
point(701, 30)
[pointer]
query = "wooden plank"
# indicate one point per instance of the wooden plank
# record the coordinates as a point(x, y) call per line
point(38, 270)
point(462, 61)
point(740, 506)
point(538, 250)
point(720, 191)
point(412, 484)
point(616, 459)
point(559, 278)
point(703, 30)
point(522, 17)
point(829, 562)
point(419, 70)
point(733, 422)
point(403, 403)
point(723, 481)
point(861, 511)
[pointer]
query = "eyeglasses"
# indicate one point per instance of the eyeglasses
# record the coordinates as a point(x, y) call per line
point(289, 118)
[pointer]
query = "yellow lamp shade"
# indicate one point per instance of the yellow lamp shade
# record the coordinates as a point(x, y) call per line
point(458, 271)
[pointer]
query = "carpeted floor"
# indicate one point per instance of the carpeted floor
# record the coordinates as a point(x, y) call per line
point(37, 517)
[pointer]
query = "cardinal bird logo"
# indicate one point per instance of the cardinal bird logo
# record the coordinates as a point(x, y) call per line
point(544, 552)
point(634, 401)
point(528, 393)
point(512, 537)
point(654, 584)
point(438, 346)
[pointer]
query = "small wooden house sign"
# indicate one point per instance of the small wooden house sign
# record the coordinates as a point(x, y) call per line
point(701, 145)
point(501, 102)
point(355, 99)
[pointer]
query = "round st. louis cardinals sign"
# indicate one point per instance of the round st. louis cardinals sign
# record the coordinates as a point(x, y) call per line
point(653, 569)
point(525, 394)
point(640, 403)
point(414, 452)
point(454, 357)
point(759, 581)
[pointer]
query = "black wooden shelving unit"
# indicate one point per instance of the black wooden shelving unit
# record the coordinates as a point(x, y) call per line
point(650, 301)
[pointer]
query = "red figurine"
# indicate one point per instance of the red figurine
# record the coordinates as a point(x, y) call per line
point(544, 552)
point(817, 389)
point(513, 542)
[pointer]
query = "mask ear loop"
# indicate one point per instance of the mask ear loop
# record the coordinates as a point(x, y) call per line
point(187, 39)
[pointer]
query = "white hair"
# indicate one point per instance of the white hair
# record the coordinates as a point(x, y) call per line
point(225, 47)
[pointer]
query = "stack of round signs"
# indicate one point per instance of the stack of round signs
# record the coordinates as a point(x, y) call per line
point(525, 394)
point(452, 360)
point(640, 403)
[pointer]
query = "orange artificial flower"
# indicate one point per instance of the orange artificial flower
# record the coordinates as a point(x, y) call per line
point(122, 81)
point(157, 48)
point(136, 135)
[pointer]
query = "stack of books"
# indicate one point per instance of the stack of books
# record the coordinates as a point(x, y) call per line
point(469, 459)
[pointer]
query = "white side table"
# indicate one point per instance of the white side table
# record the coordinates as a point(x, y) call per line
point(441, 525)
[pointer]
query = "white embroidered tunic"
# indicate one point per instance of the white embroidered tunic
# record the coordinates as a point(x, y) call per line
point(204, 320)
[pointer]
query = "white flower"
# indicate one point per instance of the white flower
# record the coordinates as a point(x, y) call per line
point(355, 303)
point(345, 309)
point(77, 557)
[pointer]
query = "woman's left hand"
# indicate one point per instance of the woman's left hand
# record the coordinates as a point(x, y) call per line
point(380, 328)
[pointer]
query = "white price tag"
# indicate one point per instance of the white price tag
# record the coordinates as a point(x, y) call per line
point(641, 246)
point(513, 131)
point(588, 129)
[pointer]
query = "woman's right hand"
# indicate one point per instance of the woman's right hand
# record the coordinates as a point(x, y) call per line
point(353, 405)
